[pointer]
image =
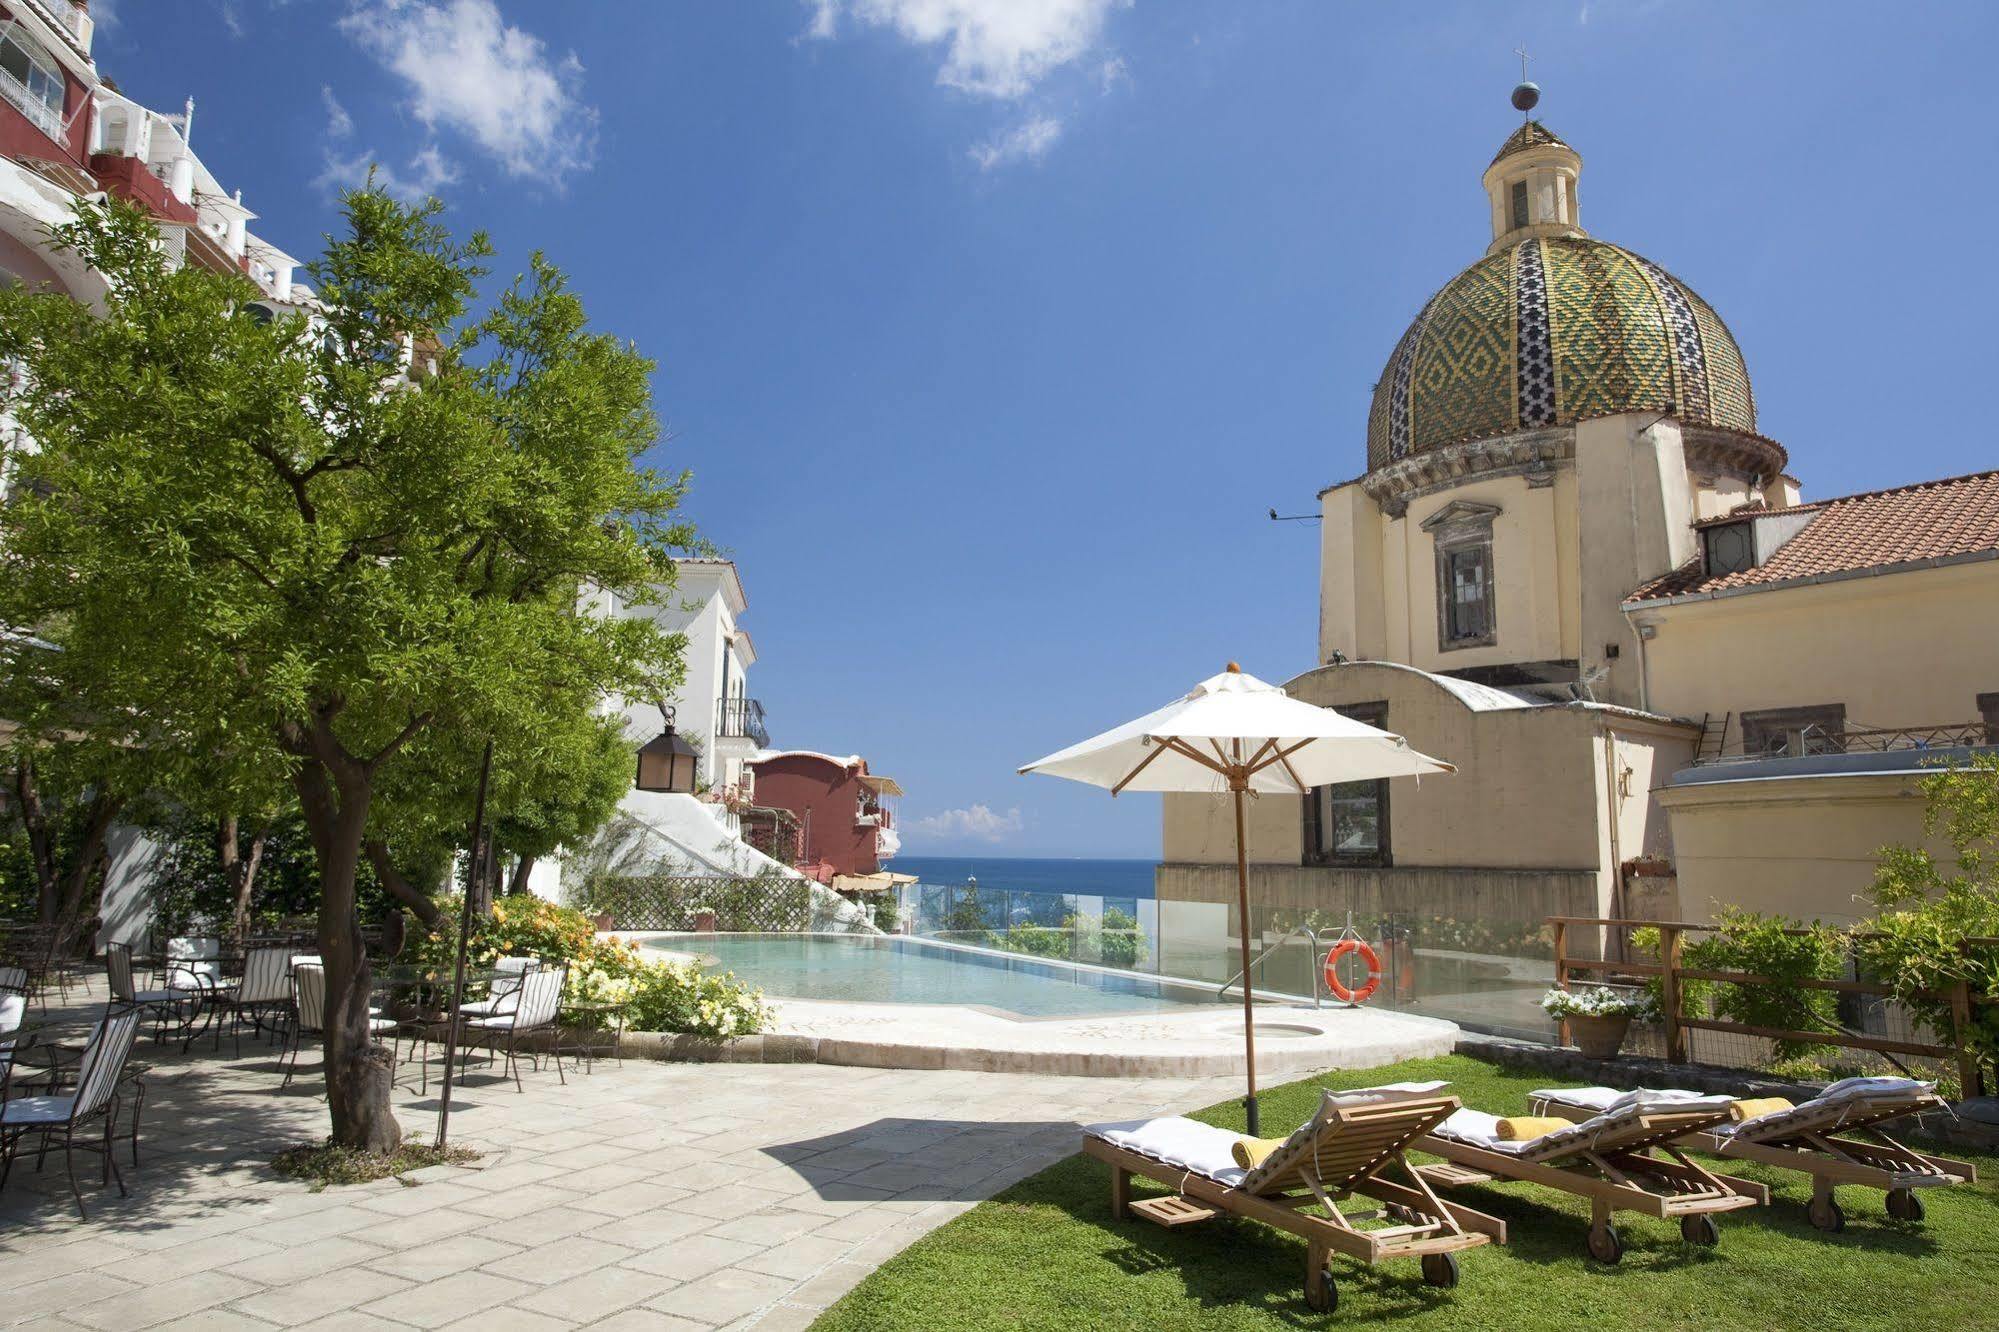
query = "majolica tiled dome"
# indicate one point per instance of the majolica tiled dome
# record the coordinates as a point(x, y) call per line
point(1548, 332)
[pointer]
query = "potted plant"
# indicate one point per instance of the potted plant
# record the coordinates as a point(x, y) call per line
point(704, 920)
point(1597, 1015)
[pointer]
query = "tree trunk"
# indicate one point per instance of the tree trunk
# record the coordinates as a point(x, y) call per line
point(41, 846)
point(522, 869)
point(90, 864)
point(396, 886)
point(239, 868)
point(335, 796)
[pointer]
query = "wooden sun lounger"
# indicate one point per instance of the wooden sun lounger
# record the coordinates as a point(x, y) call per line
point(1812, 1144)
point(1619, 1169)
point(1342, 1151)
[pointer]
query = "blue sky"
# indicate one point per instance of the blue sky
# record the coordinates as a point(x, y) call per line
point(991, 329)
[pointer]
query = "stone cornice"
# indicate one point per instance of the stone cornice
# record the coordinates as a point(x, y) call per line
point(1533, 453)
point(1716, 448)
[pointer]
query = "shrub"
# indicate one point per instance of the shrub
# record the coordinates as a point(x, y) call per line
point(664, 996)
point(1917, 945)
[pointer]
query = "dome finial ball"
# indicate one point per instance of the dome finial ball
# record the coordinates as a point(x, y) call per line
point(1526, 96)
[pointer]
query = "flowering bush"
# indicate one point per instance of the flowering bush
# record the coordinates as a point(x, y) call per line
point(663, 996)
point(1598, 1001)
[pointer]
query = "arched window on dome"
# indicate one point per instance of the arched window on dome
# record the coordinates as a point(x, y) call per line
point(1466, 596)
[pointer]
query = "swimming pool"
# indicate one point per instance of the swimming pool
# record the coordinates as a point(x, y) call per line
point(899, 970)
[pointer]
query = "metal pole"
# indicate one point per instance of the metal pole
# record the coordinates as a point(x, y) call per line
point(475, 868)
point(1237, 782)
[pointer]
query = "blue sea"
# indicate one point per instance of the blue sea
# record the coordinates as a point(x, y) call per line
point(1103, 878)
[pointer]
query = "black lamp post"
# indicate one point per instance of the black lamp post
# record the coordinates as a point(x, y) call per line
point(667, 762)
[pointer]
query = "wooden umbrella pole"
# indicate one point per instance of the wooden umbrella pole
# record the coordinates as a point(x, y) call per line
point(1237, 782)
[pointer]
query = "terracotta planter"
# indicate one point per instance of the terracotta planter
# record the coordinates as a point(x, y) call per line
point(602, 920)
point(1599, 1037)
point(704, 922)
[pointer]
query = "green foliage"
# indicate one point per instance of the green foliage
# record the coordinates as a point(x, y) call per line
point(1112, 940)
point(1930, 909)
point(886, 912)
point(189, 889)
point(1783, 951)
point(664, 996)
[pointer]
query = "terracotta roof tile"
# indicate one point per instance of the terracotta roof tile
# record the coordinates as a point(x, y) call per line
point(1926, 521)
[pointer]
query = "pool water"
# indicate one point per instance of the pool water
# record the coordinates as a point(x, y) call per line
point(900, 970)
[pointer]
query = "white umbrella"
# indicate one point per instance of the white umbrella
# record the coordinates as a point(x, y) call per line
point(1235, 733)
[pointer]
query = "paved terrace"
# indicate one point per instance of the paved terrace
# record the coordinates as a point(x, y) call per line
point(651, 1195)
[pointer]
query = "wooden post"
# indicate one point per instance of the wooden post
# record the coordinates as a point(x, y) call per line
point(1970, 1078)
point(1669, 987)
point(1561, 976)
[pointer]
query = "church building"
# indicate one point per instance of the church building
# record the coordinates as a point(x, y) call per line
point(1576, 569)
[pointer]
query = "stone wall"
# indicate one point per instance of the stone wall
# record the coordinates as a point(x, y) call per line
point(1422, 890)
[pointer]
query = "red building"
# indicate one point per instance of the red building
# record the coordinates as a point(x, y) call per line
point(838, 824)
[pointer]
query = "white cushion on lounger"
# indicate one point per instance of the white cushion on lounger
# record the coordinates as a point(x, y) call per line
point(1853, 1089)
point(1387, 1091)
point(1177, 1141)
point(1599, 1100)
point(1482, 1130)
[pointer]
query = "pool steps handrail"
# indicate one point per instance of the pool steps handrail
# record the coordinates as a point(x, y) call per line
point(1288, 936)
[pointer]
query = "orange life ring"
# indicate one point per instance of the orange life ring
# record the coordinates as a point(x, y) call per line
point(1367, 955)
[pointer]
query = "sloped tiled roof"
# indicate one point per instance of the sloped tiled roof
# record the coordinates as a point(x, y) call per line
point(1932, 520)
point(1530, 135)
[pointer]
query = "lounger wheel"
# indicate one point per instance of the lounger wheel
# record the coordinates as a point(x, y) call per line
point(1604, 1244)
point(1700, 1230)
point(1440, 1269)
point(1827, 1215)
point(1904, 1205)
point(1323, 1295)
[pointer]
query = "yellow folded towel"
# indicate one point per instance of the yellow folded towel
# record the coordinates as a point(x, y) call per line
point(1757, 1106)
point(1249, 1153)
point(1524, 1128)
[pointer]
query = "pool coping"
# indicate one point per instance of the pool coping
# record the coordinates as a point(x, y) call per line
point(653, 937)
point(1194, 1041)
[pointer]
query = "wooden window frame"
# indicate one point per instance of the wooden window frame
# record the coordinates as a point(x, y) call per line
point(1457, 527)
point(1374, 714)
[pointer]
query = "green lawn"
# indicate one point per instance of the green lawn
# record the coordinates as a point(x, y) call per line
point(1046, 1255)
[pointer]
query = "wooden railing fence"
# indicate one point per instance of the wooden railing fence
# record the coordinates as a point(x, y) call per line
point(1671, 973)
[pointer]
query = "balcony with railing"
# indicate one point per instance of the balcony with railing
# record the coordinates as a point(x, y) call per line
point(1816, 741)
point(741, 719)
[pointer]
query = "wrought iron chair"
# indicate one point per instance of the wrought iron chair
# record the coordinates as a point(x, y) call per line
point(308, 985)
point(98, 1079)
point(13, 979)
point(164, 1005)
point(512, 970)
point(529, 1010)
point(264, 992)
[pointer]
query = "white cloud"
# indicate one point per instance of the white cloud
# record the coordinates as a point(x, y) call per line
point(993, 48)
point(978, 822)
point(338, 123)
point(1111, 73)
point(469, 71)
point(426, 174)
point(1028, 141)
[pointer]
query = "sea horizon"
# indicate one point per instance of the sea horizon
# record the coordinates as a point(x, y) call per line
point(1090, 875)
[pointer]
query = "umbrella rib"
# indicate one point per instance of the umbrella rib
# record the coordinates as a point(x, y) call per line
point(1130, 776)
point(1181, 747)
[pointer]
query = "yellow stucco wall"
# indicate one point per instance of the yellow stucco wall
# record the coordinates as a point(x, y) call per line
point(1905, 649)
point(1803, 847)
point(1528, 793)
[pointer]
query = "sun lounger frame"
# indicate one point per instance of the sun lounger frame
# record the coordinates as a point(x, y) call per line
point(1370, 1139)
point(1829, 1159)
point(1621, 1171)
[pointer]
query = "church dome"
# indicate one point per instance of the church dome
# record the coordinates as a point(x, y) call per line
point(1552, 327)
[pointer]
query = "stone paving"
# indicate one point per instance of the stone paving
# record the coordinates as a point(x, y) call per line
point(654, 1195)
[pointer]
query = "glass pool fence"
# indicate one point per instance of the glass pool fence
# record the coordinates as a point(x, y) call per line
point(1484, 974)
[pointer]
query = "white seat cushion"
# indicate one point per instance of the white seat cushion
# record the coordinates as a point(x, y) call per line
point(36, 1110)
point(1176, 1141)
